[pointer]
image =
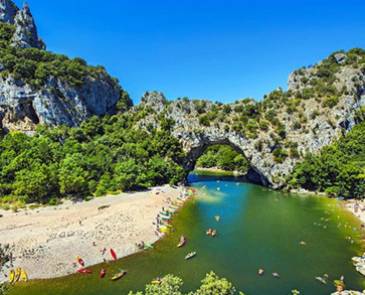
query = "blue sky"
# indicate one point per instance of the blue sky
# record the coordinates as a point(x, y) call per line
point(220, 50)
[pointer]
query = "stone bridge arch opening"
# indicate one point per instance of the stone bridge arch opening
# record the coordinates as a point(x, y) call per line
point(253, 174)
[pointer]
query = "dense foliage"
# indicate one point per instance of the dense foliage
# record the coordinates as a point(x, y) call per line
point(171, 285)
point(339, 169)
point(35, 66)
point(102, 155)
point(223, 157)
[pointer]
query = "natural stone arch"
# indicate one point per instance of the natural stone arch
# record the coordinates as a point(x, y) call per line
point(253, 174)
point(262, 167)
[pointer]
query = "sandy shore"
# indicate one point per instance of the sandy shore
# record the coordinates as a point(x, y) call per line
point(356, 207)
point(47, 240)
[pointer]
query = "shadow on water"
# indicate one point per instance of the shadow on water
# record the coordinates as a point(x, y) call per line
point(258, 228)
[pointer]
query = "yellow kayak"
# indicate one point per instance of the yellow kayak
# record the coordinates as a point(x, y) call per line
point(118, 276)
point(18, 272)
point(24, 276)
point(12, 277)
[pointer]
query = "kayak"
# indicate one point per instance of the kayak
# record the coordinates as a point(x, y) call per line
point(119, 275)
point(156, 282)
point(24, 276)
point(80, 261)
point(322, 280)
point(12, 277)
point(84, 271)
point(182, 242)
point(190, 255)
point(18, 272)
point(113, 254)
point(102, 273)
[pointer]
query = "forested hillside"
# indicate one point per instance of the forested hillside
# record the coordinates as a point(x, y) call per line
point(102, 155)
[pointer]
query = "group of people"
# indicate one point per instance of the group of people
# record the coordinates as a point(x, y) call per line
point(162, 220)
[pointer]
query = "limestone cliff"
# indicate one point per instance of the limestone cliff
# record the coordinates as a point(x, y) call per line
point(322, 102)
point(55, 103)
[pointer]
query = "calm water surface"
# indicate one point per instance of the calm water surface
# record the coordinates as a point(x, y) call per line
point(258, 228)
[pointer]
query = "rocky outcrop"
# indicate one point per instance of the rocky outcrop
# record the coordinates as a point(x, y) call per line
point(8, 10)
point(26, 35)
point(22, 107)
point(154, 100)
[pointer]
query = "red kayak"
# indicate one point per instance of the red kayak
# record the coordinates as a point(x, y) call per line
point(113, 254)
point(80, 261)
point(84, 271)
point(102, 273)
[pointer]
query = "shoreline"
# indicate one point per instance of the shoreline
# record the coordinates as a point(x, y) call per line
point(218, 171)
point(54, 236)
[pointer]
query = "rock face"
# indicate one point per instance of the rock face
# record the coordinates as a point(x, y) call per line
point(21, 108)
point(8, 10)
point(55, 102)
point(26, 35)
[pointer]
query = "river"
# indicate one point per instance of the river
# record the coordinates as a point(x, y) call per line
point(259, 228)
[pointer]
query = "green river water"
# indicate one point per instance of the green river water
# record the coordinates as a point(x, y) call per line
point(258, 228)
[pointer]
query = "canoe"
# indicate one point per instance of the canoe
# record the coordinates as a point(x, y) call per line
point(119, 275)
point(23, 276)
point(190, 255)
point(18, 272)
point(12, 277)
point(84, 271)
point(80, 261)
point(102, 273)
point(322, 280)
point(113, 254)
point(156, 282)
point(182, 242)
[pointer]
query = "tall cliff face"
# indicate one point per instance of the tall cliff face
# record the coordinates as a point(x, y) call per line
point(40, 87)
point(322, 102)
point(55, 103)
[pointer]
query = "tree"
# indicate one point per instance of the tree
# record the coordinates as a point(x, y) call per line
point(171, 285)
point(73, 178)
point(214, 285)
